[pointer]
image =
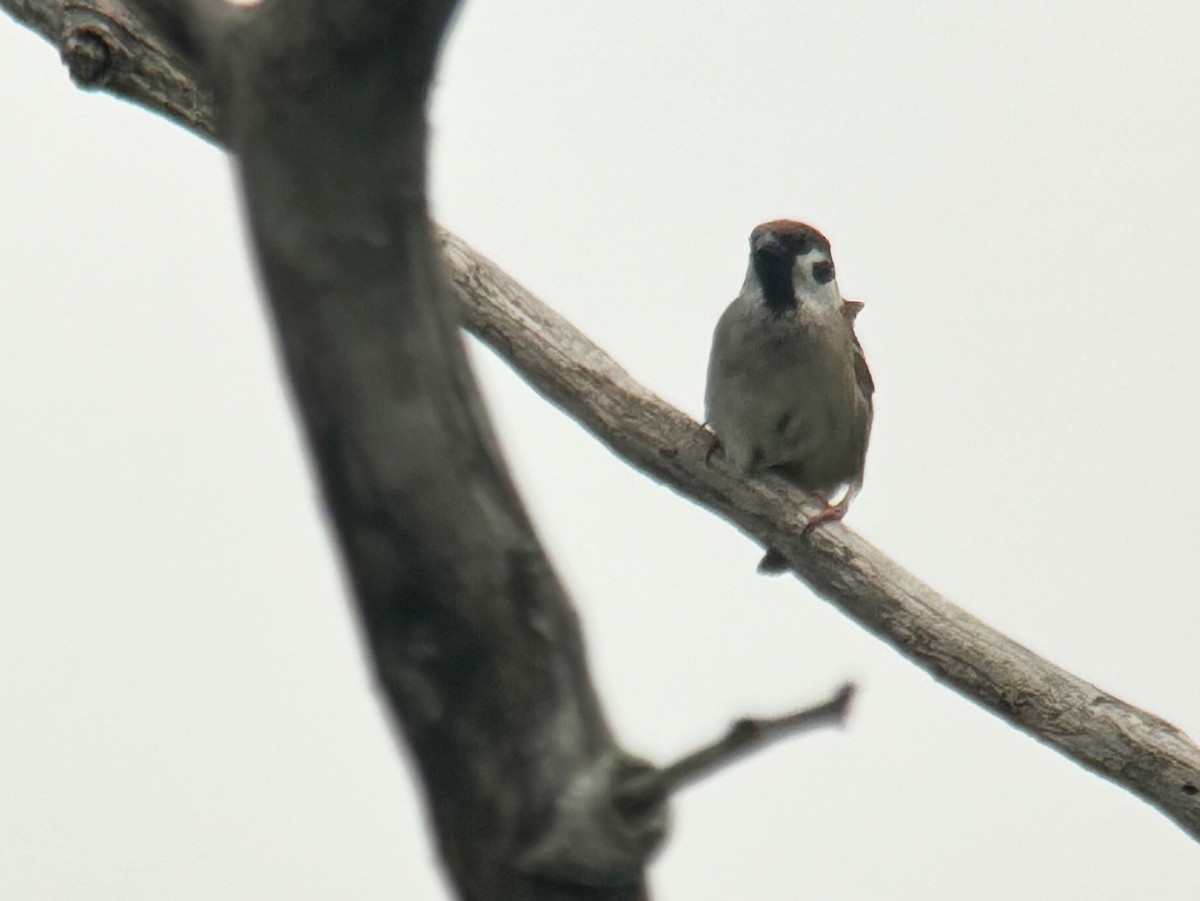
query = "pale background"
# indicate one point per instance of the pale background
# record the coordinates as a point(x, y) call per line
point(1012, 189)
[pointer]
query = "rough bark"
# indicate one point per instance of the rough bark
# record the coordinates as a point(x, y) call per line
point(472, 639)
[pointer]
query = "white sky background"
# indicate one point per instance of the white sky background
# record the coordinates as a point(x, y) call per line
point(1012, 190)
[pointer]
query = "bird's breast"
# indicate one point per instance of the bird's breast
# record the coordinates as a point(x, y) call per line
point(787, 397)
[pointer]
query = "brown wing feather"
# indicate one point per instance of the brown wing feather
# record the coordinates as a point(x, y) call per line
point(851, 309)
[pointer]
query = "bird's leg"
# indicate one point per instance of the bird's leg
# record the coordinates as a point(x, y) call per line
point(832, 512)
point(774, 562)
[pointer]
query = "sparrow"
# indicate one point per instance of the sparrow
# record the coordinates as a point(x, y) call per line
point(789, 390)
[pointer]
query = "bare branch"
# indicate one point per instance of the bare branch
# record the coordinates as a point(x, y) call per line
point(755, 734)
point(1133, 748)
point(472, 637)
point(620, 800)
point(744, 737)
point(105, 45)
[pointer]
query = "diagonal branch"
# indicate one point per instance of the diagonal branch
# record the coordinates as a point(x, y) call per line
point(1133, 748)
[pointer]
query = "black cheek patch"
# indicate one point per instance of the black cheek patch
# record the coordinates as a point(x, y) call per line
point(823, 272)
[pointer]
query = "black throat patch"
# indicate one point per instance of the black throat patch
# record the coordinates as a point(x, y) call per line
point(774, 271)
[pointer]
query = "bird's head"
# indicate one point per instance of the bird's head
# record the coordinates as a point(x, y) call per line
point(791, 263)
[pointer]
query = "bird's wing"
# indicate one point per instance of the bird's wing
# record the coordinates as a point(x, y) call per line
point(851, 309)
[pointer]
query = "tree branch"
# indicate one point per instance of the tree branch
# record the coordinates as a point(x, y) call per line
point(743, 737)
point(1144, 754)
point(754, 734)
point(1133, 748)
point(472, 638)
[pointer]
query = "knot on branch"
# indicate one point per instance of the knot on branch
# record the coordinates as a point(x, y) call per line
point(88, 56)
point(592, 839)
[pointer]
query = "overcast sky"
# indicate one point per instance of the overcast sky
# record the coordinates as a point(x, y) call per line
point(185, 712)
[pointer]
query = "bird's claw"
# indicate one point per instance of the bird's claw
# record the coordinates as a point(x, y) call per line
point(831, 513)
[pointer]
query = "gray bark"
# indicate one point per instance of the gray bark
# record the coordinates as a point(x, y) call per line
point(473, 641)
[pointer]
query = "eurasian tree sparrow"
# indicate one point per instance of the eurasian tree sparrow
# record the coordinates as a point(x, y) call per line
point(789, 390)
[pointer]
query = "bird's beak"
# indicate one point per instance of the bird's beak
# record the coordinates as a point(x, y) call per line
point(767, 243)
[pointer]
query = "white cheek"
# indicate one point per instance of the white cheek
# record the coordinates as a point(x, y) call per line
point(811, 295)
point(802, 267)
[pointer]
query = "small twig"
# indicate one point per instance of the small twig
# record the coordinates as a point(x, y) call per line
point(744, 737)
point(749, 734)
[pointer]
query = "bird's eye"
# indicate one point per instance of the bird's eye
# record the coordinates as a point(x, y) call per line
point(823, 272)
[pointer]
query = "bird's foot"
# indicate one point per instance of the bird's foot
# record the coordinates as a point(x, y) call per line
point(831, 513)
point(774, 562)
